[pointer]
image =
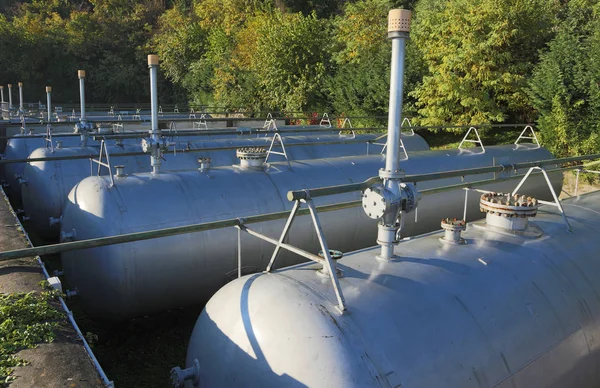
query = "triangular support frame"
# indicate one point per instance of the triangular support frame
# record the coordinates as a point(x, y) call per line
point(192, 114)
point(103, 150)
point(326, 261)
point(201, 123)
point(277, 138)
point(344, 122)
point(533, 136)
point(48, 138)
point(467, 140)
point(555, 203)
point(268, 121)
point(325, 121)
point(138, 114)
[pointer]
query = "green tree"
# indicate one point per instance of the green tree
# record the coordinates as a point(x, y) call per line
point(479, 54)
point(564, 88)
point(360, 85)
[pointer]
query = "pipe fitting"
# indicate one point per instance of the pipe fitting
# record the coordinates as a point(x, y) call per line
point(52, 221)
point(452, 230)
point(120, 171)
point(335, 256)
point(204, 163)
point(67, 236)
point(180, 376)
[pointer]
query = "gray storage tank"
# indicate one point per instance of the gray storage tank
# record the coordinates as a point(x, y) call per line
point(509, 308)
point(133, 279)
point(48, 183)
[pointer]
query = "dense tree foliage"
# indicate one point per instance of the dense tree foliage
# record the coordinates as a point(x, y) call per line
point(565, 87)
point(468, 61)
point(479, 54)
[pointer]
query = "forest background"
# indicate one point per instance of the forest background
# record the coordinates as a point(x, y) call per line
point(468, 61)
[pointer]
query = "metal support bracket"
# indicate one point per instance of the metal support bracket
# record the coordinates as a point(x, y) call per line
point(347, 120)
point(103, 150)
point(268, 120)
point(466, 140)
point(201, 123)
point(325, 122)
point(137, 115)
point(386, 144)
point(48, 138)
point(277, 138)
point(533, 136)
point(192, 114)
point(327, 260)
point(556, 202)
point(411, 131)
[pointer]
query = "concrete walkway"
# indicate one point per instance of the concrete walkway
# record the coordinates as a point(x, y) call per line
point(63, 363)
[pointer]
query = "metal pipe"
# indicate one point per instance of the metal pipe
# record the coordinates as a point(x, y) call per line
point(49, 102)
point(81, 76)
point(2, 93)
point(154, 132)
point(392, 162)
point(151, 234)
point(10, 95)
point(340, 189)
point(20, 95)
point(206, 149)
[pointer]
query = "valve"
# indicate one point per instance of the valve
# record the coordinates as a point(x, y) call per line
point(180, 376)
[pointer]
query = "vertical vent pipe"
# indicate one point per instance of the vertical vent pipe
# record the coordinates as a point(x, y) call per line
point(20, 96)
point(49, 102)
point(81, 76)
point(154, 133)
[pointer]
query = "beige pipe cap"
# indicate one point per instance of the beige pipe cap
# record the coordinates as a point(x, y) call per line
point(48, 89)
point(1, 86)
point(81, 73)
point(9, 86)
point(20, 84)
point(399, 20)
point(152, 60)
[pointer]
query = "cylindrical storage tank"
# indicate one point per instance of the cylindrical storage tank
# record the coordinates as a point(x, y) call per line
point(20, 147)
point(505, 309)
point(127, 280)
point(48, 183)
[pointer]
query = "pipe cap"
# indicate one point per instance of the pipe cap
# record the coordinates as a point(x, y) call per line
point(48, 89)
point(81, 73)
point(20, 84)
point(1, 86)
point(152, 60)
point(9, 86)
point(399, 20)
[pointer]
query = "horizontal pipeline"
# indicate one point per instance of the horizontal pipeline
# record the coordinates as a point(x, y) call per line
point(152, 234)
point(184, 150)
point(339, 189)
point(204, 132)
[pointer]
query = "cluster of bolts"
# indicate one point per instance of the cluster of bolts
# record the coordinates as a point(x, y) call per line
point(251, 152)
point(453, 223)
point(507, 205)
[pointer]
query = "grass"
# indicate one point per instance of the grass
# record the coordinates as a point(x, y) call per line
point(27, 319)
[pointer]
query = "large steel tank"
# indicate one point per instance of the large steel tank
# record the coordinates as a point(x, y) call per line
point(20, 147)
point(128, 280)
point(505, 309)
point(48, 183)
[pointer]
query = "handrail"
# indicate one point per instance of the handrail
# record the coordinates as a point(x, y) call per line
point(222, 148)
point(234, 222)
point(348, 188)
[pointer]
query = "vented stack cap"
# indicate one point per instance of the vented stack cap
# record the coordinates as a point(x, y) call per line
point(399, 20)
point(152, 60)
point(81, 73)
point(48, 89)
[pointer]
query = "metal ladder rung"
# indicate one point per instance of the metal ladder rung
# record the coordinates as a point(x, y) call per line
point(277, 153)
